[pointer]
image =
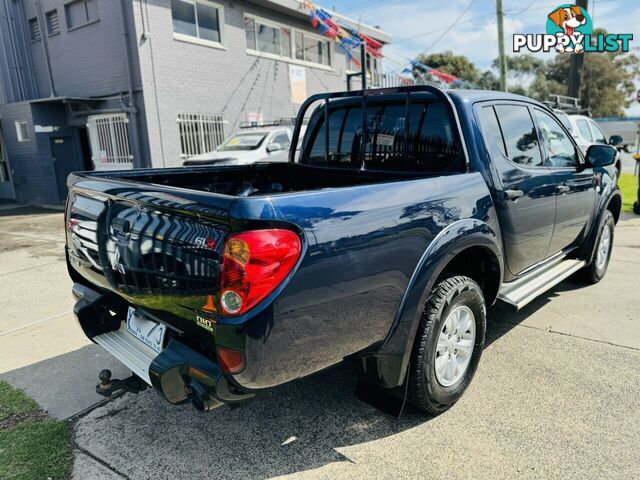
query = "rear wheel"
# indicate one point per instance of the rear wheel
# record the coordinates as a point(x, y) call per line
point(595, 271)
point(448, 344)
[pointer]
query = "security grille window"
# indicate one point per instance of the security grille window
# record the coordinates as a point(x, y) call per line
point(109, 141)
point(34, 29)
point(199, 133)
point(4, 167)
point(81, 12)
point(22, 131)
point(53, 22)
point(280, 41)
point(197, 19)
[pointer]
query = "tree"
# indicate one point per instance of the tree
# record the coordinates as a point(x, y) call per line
point(521, 65)
point(606, 86)
point(488, 81)
point(448, 62)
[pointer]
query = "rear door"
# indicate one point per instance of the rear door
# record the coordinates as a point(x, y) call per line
point(526, 194)
point(574, 184)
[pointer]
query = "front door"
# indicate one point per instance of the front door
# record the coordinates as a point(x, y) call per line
point(64, 162)
point(575, 186)
point(526, 195)
point(6, 185)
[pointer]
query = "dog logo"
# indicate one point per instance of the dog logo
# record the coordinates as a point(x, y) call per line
point(569, 29)
point(566, 22)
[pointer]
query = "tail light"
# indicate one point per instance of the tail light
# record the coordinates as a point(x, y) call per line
point(254, 264)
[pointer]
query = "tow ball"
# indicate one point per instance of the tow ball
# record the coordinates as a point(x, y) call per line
point(108, 387)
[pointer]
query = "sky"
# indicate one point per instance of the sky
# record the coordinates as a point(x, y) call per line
point(419, 25)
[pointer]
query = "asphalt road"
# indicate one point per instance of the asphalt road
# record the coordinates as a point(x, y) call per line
point(555, 396)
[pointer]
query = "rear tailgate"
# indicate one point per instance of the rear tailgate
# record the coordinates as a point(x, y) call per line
point(157, 247)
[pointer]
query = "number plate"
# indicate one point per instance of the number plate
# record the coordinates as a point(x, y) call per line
point(147, 331)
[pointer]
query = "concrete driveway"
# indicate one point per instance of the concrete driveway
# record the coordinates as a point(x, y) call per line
point(555, 396)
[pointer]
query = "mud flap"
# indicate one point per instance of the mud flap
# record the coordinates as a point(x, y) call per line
point(388, 400)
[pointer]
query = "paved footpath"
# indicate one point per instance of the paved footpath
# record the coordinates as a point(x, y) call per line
point(555, 396)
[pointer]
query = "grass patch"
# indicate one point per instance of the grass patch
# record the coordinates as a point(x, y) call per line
point(13, 402)
point(629, 187)
point(32, 445)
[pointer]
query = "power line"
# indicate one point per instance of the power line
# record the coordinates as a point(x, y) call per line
point(449, 28)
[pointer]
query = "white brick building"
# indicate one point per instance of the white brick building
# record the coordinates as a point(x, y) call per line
point(121, 83)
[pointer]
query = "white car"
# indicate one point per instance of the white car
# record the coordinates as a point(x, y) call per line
point(586, 133)
point(267, 144)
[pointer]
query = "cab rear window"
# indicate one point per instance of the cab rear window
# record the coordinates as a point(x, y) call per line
point(431, 144)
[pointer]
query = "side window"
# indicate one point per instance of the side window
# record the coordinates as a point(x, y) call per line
point(433, 146)
point(491, 130)
point(283, 139)
point(558, 147)
point(598, 136)
point(585, 132)
point(520, 137)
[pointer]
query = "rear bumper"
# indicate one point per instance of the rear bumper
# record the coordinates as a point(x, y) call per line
point(178, 373)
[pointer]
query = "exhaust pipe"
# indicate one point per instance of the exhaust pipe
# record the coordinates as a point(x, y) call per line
point(199, 396)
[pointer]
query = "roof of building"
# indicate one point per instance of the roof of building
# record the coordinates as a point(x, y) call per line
point(294, 8)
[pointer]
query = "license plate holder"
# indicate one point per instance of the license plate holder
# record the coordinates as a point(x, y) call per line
point(149, 332)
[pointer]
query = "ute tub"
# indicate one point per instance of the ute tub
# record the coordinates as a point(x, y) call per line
point(179, 373)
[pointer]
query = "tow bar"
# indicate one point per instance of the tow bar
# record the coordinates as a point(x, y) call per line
point(109, 387)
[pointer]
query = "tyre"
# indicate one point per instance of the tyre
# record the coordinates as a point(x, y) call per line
point(448, 344)
point(595, 271)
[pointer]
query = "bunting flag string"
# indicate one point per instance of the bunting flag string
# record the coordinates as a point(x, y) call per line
point(349, 38)
point(440, 75)
point(345, 35)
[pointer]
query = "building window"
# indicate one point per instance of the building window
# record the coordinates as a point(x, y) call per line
point(53, 22)
point(22, 131)
point(81, 12)
point(199, 133)
point(280, 41)
point(34, 29)
point(197, 20)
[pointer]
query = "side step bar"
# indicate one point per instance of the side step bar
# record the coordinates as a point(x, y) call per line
point(524, 290)
point(128, 350)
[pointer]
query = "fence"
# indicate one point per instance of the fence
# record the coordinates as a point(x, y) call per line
point(388, 80)
point(109, 140)
point(199, 133)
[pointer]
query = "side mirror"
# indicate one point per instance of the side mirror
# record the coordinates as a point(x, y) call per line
point(601, 155)
point(615, 140)
point(273, 147)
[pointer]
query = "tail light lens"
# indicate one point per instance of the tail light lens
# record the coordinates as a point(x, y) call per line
point(231, 361)
point(254, 264)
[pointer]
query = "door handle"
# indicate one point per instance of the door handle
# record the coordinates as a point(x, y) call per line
point(562, 189)
point(513, 194)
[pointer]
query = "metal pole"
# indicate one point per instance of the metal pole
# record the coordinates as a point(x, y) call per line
point(575, 68)
point(501, 55)
point(363, 64)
